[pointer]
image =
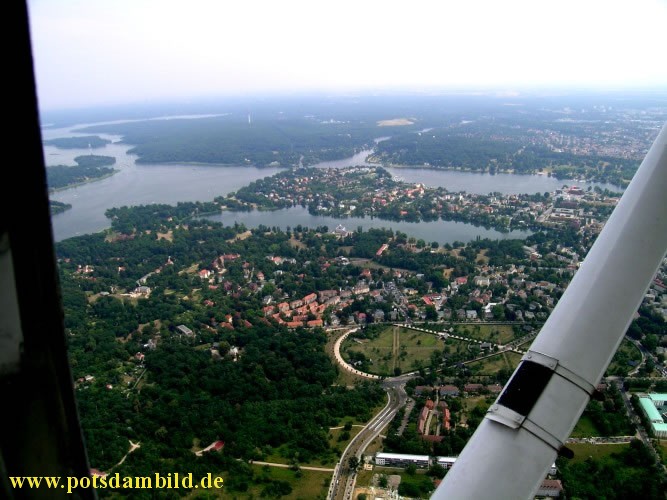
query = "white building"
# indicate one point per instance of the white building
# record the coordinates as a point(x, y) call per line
point(655, 406)
point(402, 460)
point(446, 462)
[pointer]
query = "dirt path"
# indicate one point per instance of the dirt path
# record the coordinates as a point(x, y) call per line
point(133, 446)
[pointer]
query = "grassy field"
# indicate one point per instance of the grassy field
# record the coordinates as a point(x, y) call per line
point(663, 445)
point(395, 347)
point(513, 359)
point(346, 378)
point(311, 484)
point(498, 334)
point(280, 455)
point(584, 428)
point(490, 366)
point(526, 345)
point(335, 440)
point(582, 451)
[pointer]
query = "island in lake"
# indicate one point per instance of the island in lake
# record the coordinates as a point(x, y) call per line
point(81, 142)
point(58, 207)
point(88, 168)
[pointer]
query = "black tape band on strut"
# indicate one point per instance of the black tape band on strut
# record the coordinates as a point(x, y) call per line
point(525, 387)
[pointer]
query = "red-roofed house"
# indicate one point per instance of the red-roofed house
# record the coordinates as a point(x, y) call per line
point(283, 307)
point(550, 488)
point(446, 419)
point(494, 388)
point(296, 303)
point(472, 388)
point(268, 310)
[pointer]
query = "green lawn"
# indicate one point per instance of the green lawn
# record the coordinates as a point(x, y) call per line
point(585, 428)
point(413, 348)
point(473, 401)
point(310, 485)
point(490, 366)
point(280, 455)
point(513, 359)
point(582, 451)
point(498, 334)
point(526, 345)
point(663, 445)
point(335, 440)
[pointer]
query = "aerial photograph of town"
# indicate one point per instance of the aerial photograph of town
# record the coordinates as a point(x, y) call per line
point(286, 289)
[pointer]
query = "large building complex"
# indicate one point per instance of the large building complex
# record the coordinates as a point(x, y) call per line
point(655, 408)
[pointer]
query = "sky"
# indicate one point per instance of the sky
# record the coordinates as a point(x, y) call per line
point(102, 52)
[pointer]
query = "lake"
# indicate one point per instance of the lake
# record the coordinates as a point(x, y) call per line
point(170, 183)
point(440, 231)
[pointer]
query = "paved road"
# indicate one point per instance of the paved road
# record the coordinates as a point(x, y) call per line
point(344, 480)
point(287, 466)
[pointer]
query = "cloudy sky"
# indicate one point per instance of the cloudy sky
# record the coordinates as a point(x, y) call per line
point(91, 52)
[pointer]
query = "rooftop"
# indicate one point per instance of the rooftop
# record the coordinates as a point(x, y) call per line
point(656, 396)
point(651, 411)
point(400, 456)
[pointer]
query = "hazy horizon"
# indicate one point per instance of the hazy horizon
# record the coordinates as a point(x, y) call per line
point(105, 53)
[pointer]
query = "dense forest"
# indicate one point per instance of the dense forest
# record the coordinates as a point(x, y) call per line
point(80, 142)
point(88, 168)
point(481, 133)
point(442, 148)
point(276, 396)
point(232, 140)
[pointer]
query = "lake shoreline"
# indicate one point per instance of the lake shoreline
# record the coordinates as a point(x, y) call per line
point(83, 183)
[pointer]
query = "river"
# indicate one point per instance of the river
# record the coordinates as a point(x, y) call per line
point(170, 183)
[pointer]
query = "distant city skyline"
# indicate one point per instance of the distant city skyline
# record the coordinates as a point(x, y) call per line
point(107, 52)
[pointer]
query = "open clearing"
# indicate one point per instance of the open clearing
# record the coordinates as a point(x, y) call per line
point(395, 122)
point(395, 347)
point(582, 451)
point(498, 334)
point(310, 484)
point(491, 365)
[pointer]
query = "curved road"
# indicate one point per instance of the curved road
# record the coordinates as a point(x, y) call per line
point(343, 481)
